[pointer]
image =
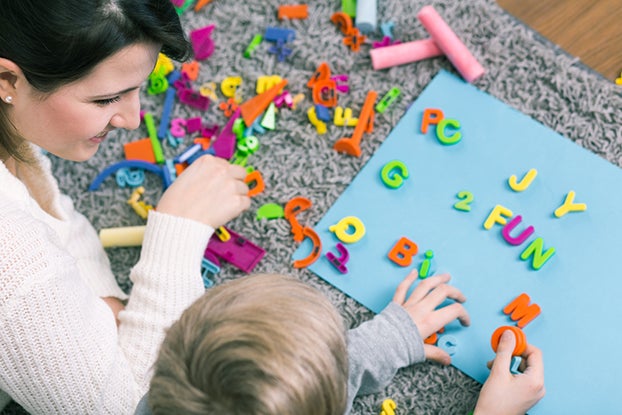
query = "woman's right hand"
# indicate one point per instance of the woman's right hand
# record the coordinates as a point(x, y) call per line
point(211, 191)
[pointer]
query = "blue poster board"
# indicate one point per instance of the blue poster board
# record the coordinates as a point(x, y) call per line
point(577, 288)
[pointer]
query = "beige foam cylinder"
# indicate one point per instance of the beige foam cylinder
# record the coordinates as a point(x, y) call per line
point(122, 237)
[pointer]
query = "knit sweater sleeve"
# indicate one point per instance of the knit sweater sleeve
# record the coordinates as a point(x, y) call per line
point(378, 348)
point(60, 350)
point(91, 259)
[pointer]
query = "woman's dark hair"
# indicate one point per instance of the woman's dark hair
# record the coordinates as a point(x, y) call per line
point(56, 42)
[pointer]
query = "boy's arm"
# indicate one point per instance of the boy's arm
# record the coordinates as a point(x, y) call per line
point(394, 338)
point(379, 347)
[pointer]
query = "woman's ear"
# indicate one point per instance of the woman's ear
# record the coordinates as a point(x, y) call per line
point(10, 75)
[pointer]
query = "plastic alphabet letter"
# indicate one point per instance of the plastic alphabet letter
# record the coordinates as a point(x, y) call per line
point(341, 261)
point(320, 126)
point(430, 116)
point(343, 118)
point(349, 223)
point(229, 86)
point(521, 339)
point(191, 69)
point(315, 251)
point(448, 343)
point(259, 185)
point(400, 173)
point(343, 22)
point(403, 252)
point(510, 227)
point(521, 311)
point(424, 270)
point(525, 181)
point(569, 205)
point(266, 82)
point(252, 46)
point(535, 249)
point(497, 216)
point(440, 131)
point(322, 73)
point(292, 208)
point(388, 406)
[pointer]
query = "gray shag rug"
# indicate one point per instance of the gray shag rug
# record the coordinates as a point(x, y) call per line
point(523, 70)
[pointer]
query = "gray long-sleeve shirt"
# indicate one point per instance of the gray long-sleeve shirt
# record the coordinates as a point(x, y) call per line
point(378, 348)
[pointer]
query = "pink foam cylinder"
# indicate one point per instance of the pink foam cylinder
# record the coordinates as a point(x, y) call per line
point(450, 44)
point(402, 53)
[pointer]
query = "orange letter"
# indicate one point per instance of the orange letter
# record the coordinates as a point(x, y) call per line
point(403, 252)
point(428, 119)
point(521, 310)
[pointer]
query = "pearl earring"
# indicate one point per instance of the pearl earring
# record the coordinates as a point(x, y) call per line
point(8, 99)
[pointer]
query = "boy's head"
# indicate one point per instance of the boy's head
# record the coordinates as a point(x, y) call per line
point(262, 344)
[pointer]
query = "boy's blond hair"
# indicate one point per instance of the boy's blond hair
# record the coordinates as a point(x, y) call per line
point(262, 344)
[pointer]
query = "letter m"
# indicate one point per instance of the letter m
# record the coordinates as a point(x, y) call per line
point(521, 311)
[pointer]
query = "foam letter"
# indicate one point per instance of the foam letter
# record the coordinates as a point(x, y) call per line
point(525, 181)
point(521, 311)
point(497, 216)
point(403, 252)
point(510, 227)
point(430, 116)
point(569, 205)
point(440, 131)
point(535, 249)
point(344, 225)
point(396, 179)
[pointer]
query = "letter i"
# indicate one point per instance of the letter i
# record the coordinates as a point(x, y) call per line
point(424, 270)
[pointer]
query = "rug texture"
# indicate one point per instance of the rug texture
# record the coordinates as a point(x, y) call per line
point(523, 70)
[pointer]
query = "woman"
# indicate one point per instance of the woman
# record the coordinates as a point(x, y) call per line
point(70, 73)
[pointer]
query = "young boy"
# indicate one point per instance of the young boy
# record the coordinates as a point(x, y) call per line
point(270, 344)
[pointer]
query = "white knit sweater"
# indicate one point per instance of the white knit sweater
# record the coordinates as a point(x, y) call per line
point(60, 350)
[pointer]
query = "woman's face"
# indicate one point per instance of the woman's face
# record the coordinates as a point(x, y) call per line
point(72, 121)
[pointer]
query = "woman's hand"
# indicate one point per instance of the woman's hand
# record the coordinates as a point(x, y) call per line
point(210, 191)
point(115, 305)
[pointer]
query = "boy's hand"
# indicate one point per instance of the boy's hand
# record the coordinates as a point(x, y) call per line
point(505, 393)
point(422, 307)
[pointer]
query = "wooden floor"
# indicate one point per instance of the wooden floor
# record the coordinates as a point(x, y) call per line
point(588, 29)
